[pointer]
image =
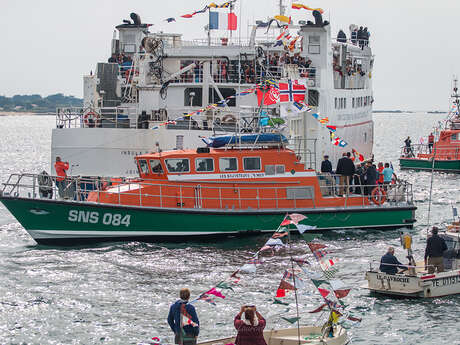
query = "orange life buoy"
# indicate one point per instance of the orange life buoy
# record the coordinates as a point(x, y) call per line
point(91, 119)
point(378, 195)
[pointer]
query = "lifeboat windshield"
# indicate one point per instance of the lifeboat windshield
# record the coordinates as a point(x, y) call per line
point(178, 165)
point(155, 165)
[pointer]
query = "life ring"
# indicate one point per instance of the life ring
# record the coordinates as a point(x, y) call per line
point(91, 119)
point(378, 195)
point(229, 118)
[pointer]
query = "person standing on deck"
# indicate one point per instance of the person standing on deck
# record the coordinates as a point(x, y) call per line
point(326, 165)
point(346, 170)
point(430, 142)
point(183, 320)
point(61, 168)
point(387, 174)
point(408, 148)
point(435, 247)
point(370, 177)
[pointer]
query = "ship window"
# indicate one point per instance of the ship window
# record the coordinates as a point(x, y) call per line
point(193, 97)
point(143, 166)
point(313, 45)
point(228, 164)
point(280, 169)
point(336, 105)
point(251, 163)
point(270, 170)
point(129, 48)
point(454, 136)
point(156, 167)
point(313, 98)
point(226, 92)
point(178, 165)
point(204, 164)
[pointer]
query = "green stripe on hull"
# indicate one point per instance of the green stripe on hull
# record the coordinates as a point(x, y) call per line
point(57, 217)
point(424, 164)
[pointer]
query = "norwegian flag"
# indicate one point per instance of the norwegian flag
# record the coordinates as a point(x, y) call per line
point(291, 92)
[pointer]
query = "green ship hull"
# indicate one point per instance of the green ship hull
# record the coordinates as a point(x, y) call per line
point(425, 164)
point(70, 222)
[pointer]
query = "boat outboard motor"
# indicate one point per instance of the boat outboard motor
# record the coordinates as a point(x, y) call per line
point(136, 18)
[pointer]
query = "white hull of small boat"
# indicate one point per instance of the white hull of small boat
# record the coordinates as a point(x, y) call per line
point(289, 336)
point(421, 286)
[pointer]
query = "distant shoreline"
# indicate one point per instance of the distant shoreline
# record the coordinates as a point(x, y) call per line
point(19, 113)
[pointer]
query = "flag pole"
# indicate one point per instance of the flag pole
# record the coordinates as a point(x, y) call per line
point(293, 278)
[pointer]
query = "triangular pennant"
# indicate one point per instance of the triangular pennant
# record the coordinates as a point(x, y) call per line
point(277, 301)
point(285, 285)
point(324, 292)
point(330, 272)
point(291, 320)
point(342, 293)
point(302, 228)
point(317, 310)
point(315, 246)
point(224, 285)
point(274, 242)
point(296, 217)
point(214, 292)
point(318, 282)
point(280, 293)
point(248, 268)
point(286, 222)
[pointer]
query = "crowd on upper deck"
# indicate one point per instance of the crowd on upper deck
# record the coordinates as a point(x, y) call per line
point(359, 36)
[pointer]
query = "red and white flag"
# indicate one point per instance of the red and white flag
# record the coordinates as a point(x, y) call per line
point(291, 92)
point(268, 96)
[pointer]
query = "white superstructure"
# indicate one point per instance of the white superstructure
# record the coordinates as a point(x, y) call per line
point(127, 107)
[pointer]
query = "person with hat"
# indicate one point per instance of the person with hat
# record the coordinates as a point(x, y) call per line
point(435, 247)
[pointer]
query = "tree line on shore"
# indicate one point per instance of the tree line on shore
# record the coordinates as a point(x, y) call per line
point(37, 103)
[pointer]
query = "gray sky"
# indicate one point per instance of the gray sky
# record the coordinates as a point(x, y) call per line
point(48, 45)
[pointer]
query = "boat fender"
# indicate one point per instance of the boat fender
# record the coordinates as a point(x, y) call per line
point(378, 195)
point(91, 119)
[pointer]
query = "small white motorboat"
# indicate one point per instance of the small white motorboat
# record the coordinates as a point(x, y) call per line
point(416, 281)
point(290, 336)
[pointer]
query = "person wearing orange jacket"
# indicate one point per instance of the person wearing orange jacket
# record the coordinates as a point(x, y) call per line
point(61, 168)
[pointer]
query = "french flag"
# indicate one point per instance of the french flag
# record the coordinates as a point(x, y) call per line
point(222, 21)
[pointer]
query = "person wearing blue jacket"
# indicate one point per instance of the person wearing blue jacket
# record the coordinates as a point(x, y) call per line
point(183, 320)
point(389, 263)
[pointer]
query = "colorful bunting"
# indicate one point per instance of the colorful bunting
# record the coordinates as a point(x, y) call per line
point(296, 6)
point(214, 292)
point(206, 298)
point(283, 19)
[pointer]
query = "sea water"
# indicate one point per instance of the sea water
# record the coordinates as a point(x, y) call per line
point(119, 293)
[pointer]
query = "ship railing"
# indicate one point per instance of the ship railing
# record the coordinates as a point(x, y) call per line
point(442, 152)
point(249, 72)
point(274, 195)
point(99, 117)
point(393, 193)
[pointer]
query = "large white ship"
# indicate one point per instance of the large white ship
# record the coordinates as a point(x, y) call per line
point(137, 105)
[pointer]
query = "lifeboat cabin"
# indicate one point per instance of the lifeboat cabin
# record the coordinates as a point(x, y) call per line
point(226, 179)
